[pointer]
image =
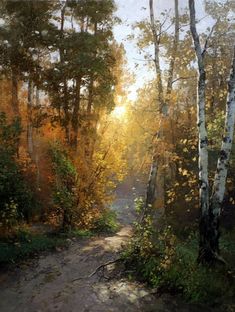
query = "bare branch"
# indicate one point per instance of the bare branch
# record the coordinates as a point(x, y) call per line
point(183, 78)
point(208, 38)
point(97, 269)
point(146, 60)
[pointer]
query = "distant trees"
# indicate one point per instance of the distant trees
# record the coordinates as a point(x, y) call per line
point(63, 65)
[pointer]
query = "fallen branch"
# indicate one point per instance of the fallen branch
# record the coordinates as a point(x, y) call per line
point(102, 266)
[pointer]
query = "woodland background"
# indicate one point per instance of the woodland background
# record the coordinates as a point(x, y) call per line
point(69, 133)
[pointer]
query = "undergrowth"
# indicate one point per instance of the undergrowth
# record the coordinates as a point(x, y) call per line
point(106, 223)
point(24, 245)
point(168, 263)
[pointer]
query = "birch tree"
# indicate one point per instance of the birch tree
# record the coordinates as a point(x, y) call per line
point(210, 207)
point(218, 190)
point(156, 177)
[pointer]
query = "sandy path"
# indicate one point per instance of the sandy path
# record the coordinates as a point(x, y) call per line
point(46, 284)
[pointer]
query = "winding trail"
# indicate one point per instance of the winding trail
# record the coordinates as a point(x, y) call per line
point(48, 284)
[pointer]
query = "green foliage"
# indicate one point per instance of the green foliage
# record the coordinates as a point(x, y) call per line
point(64, 195)
point(81, 233)
point(9, 215)
point(164, 261)
point(15, 196)
point(26, 244)
point(107, 222)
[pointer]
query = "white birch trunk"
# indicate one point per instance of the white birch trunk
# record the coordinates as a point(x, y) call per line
point(204, 247)
point(156, 56)
point(174, 53)
point(223, 162)
point(210, 211)
point(226, 147)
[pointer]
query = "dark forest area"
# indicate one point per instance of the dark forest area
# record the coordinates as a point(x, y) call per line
point(117, 158)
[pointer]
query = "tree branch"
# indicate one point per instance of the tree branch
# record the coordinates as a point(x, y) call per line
point(208, 38)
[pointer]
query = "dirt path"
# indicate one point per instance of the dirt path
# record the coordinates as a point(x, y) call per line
point(46, 285)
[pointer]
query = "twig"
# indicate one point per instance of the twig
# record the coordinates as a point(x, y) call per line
point(183, 78)
point(208, 38)
point(146, 60)
point(102, 266)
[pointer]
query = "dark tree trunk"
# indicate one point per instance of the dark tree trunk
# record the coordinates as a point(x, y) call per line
point(29, 119)
point(75, 117)
point(14, 99)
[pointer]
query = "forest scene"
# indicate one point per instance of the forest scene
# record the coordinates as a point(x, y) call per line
point(117, 155)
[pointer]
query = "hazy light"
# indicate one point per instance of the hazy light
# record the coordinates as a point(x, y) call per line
point(119, 112)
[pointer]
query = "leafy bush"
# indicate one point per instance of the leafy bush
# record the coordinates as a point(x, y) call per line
point(9, 215)
point(107, 222)
point(15, 196)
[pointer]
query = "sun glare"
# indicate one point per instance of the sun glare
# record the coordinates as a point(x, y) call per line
point(119, 111)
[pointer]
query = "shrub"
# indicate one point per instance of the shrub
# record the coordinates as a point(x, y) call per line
point(15, 197)
point(164, 261)
point(107, 222)
point(25, 244)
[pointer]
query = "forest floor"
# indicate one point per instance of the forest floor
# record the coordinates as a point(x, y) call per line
point(60, 281)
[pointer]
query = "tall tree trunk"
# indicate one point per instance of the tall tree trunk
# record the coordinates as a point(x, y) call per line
point(151, 187)
point(37, 97)
point(157, 57)
point(202, 133)
point(36, 140)
point(29, 118)
point(209, 247)
point(91, 127)
point(75, 119)
point(66, 122)
point(173, 55)
point(14, 92)
point(90, 136)
point(156, 183)
point(90, 96)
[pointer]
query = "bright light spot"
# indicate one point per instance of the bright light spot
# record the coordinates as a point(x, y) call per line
point(119, 111)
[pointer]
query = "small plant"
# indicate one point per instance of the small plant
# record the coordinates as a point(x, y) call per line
point(9, 215)
point(107, 222)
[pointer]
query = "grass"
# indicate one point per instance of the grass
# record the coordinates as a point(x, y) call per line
point(26, 245)
point(106, 223)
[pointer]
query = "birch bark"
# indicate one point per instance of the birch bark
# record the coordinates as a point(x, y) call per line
point(156, 56)
point(210, 210)
point(218, 190)
point(202, 133)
